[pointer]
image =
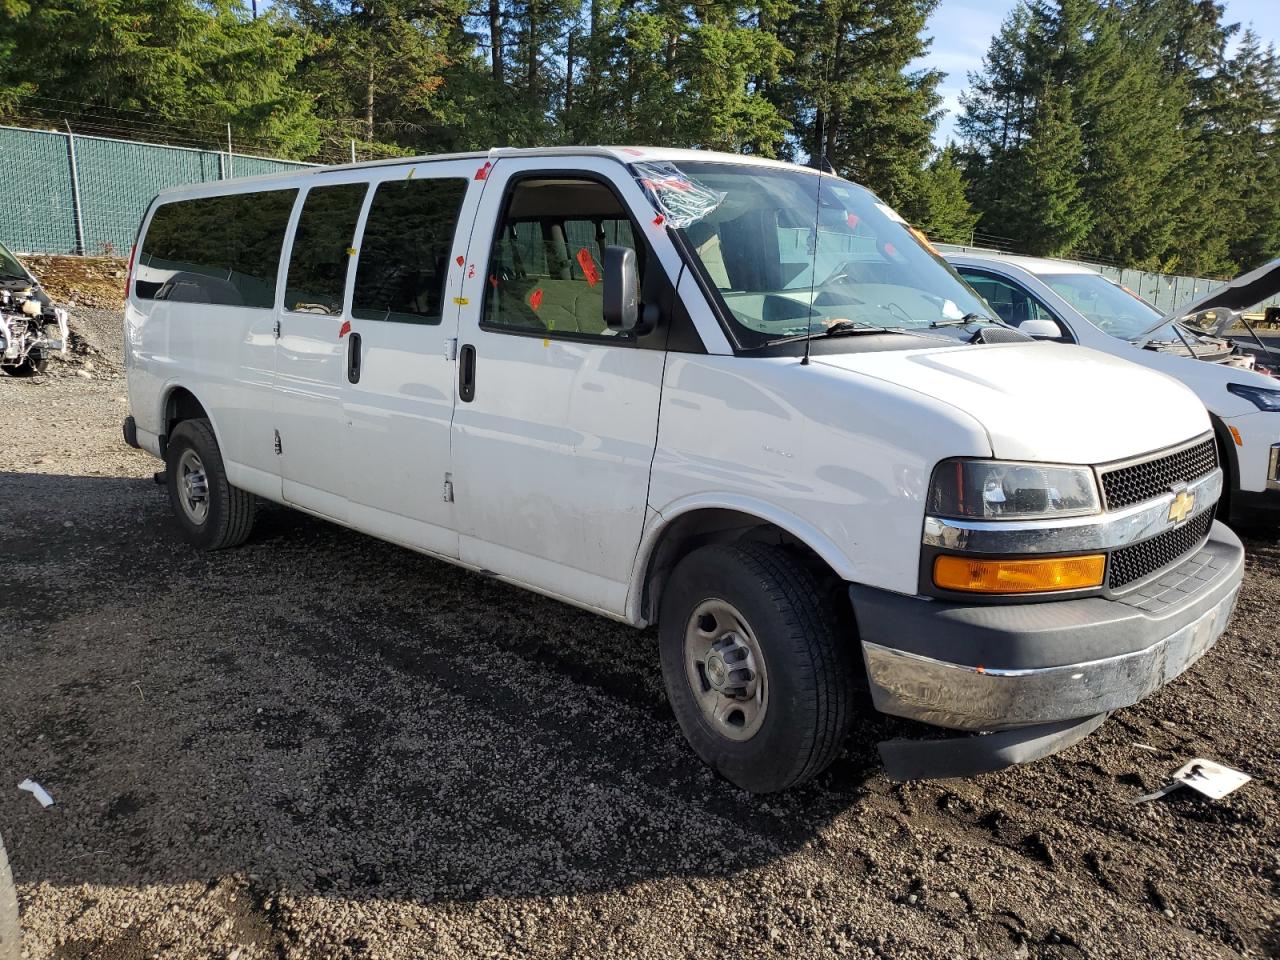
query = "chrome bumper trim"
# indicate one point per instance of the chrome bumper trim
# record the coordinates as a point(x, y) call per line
point(1104, 531)
point(1273, 468)
point(977, 698)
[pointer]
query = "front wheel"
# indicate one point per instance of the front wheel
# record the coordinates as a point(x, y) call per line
point(32, 365)
point(758, 676)
point(212, 513)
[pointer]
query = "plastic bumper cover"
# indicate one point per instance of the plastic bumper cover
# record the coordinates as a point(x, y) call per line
point(1019, 665)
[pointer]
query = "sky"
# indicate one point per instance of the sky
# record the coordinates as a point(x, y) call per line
point(962, 30)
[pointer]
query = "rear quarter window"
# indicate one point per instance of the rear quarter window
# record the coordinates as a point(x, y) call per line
point(216, 250)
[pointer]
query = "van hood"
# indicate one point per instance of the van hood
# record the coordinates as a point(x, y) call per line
point(1045, 401)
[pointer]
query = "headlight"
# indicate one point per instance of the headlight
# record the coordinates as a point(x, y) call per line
point(1002, 489)
point(1260, 397)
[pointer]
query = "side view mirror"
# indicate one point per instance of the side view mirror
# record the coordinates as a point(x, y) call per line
point(621, 289)
point(1041, 329)
point(622, 310)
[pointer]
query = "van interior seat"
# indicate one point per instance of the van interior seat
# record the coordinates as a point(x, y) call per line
point(573, 306)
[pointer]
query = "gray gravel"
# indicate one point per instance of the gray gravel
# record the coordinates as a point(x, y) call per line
point(321, 745)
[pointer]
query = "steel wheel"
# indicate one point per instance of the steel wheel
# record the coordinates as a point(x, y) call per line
point(193, 487)
point(725, 670)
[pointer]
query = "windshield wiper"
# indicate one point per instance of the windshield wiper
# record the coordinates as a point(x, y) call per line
point(964, 321)
point(843, 328)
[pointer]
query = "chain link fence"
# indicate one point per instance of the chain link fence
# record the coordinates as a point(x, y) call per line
point(61, 192)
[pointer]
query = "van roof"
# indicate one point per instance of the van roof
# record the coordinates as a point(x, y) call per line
point(623, 154)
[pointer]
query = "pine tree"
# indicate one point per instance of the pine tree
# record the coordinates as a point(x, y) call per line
point(1131, 114)
point(1129, 111)
point(938, 204)
point(1047, 213)
point(660, 72)
point(169, 69)
point(1243, 124)
point(849, 95)
point(378, 66)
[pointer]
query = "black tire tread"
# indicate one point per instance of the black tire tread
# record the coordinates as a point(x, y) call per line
point(795, 589)
point(805, 640)
point(239, 507)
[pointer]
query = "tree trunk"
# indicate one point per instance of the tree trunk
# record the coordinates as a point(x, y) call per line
point(531, 68)
point(368, 106)
point(568, 76)
point(495, 39)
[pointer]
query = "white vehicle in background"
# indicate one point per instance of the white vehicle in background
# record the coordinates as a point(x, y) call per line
point(32, 329)
point(1068, 302)
point(731, 396)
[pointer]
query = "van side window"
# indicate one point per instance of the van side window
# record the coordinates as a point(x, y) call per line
point(219, 250)
point(545, 269)
point(406, 250)
point(321, 248)
point(1009, 301)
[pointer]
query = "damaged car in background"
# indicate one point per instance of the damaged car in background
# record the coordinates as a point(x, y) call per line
point(31, 328)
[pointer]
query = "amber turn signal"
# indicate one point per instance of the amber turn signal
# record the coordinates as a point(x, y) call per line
point(1040, 575)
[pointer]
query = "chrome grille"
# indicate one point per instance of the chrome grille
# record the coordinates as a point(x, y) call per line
point(1125, 486)
point(1132, 563)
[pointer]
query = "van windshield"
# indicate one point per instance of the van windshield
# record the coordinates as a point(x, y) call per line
point(789, 258)
point(1108, 306)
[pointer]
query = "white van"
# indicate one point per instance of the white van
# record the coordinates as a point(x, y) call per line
point(727, 395)
point(1072, 303)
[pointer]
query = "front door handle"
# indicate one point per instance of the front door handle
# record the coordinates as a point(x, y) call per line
point(467, 373)
point(353, 358)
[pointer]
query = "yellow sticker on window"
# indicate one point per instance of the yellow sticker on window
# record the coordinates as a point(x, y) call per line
point(461, 301)
point(351, 251)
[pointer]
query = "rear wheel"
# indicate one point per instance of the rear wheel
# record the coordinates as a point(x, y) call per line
point(212, 513)
point(758, 676)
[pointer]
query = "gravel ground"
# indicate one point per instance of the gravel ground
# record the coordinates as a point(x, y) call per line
point(321, 745)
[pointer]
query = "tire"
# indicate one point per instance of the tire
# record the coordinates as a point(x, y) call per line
point(212, 513)
point(29, 367)
point(796, 711)
point(1224, 512)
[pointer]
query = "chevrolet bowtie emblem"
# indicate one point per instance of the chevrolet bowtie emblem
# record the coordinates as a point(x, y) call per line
point(1182, 506)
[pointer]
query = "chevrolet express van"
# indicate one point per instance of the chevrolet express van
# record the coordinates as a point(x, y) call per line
point(1072, 303)
point(729, 396)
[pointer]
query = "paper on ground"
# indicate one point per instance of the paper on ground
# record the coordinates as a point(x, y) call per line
point(37, 791)
point(1204, 776)
point(1212, 779)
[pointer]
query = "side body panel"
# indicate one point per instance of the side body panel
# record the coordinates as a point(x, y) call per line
point(398, 413)
point(307, 401)
point(842, 462)
point(552, 456)
point(224, 355)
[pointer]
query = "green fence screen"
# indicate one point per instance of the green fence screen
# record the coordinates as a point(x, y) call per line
point(66, 193)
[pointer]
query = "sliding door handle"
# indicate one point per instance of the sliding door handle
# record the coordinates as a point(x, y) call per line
point(353, 357)
point(467, 373)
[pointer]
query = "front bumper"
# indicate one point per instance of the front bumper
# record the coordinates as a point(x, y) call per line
point(986, 667)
